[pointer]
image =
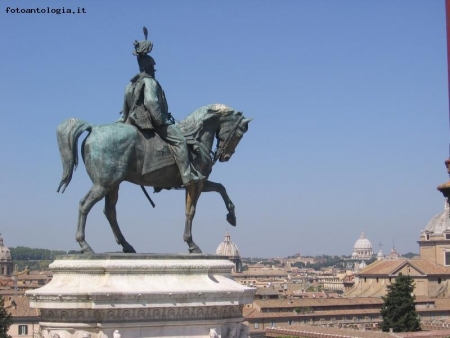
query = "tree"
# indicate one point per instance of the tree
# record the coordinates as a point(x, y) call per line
point(5, 320)
point(398, 310)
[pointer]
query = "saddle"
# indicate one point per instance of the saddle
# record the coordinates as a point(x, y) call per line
point(157, 153)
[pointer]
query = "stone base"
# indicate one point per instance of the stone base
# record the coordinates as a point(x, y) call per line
point(141, 295)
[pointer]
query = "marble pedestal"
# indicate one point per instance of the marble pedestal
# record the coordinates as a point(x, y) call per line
point(141, 295)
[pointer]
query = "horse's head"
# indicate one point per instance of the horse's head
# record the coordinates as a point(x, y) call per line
point(232, 129)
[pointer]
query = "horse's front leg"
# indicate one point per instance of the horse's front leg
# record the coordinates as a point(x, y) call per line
point(192, 194)
point(110, 213)
point(209, 186)
point(95, 194)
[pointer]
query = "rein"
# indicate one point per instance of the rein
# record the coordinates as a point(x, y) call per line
point(219, 151)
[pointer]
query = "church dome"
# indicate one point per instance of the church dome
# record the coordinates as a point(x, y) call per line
point(5, 254)
point(439, 223)
point(362, 243)
point(362, 248)
point(227, 248)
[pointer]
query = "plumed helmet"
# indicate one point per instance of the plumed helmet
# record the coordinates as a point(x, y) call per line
point(143, 47)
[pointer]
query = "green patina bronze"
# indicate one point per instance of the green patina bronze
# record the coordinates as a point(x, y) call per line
point(146, 147)
point(118, 152)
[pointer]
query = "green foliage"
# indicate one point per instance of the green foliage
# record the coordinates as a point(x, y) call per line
point(398, 310)
point(34, 259)
point(22, 253)
point(5, 320)
point(410, 255)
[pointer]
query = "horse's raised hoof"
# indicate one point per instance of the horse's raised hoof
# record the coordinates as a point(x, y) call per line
point(231, 218)
point(127, 248)
point(86, 249)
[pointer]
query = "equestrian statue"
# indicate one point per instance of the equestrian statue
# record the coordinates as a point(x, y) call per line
point(148, 148)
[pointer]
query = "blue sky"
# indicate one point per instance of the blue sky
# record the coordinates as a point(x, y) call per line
point(350, 108)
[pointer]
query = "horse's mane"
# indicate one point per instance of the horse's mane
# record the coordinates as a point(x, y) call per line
point(194, 122)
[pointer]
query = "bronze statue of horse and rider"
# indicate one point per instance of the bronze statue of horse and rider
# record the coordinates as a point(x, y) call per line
point(114, 153)
point(146, 147)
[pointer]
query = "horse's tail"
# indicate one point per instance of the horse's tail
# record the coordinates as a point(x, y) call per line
point(67, 134)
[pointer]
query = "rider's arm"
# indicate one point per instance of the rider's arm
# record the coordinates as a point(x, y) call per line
point(152, 102)
point(125, 109)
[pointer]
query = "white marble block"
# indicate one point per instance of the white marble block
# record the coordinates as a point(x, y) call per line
point(141, 295)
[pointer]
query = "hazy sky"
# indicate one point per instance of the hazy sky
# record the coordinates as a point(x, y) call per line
point(350, 108)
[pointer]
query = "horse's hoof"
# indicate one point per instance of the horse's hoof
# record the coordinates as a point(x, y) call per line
point(195, 250)
point(231, 218)
point(128, 249)
point(86, 249)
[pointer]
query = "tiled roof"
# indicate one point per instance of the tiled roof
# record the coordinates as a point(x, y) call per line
point(311, 302)
point(21, 308)
point(289, 314)
point(247, 311)
point(382, 267)
point(388, 267)
point(259, 273)
point(33, 277)
point(267, 291)
point(429, 267)
point(304, 330)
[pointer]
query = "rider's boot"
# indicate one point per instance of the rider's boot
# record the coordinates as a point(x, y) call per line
point(191, 178)
point(179, 150)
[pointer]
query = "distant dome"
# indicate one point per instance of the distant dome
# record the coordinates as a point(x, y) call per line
point(227, 248)
point(5, 254)
point(380, 255)
point(439, 223)
point(362, 243)
point(362, 248)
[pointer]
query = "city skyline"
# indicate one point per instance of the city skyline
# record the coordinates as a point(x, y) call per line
point(350, 129)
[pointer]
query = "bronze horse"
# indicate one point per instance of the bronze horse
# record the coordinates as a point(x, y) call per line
point(116, 152)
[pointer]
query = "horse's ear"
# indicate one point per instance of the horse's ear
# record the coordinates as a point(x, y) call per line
point(247, 121)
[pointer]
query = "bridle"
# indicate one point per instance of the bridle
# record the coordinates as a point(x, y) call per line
point(223, 145)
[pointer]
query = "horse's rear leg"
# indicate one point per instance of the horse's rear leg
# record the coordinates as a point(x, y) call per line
point(192, 195)
point(95, 194)
point(110, 213)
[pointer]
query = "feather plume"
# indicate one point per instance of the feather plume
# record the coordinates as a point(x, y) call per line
point(145, 32)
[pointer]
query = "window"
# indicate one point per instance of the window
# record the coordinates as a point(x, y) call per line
point(427, 237)
point(439, 280)
point(447, 258)
point(447, 236)
point(272, 324)
point(23, 330)
point(289, 322)
point(256, 325)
